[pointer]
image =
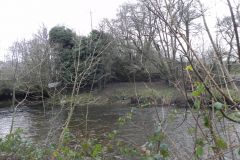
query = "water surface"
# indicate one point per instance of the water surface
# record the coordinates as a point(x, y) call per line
point(42, 126)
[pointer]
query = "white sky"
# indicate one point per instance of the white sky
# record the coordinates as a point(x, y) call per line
point(21, 18)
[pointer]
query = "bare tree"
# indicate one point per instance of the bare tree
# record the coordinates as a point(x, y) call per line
point(225, 29)
point(235, 26)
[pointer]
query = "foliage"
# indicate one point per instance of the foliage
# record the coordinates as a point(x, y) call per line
point(125, 71)
point(13, 146)
point(62, 40)
point(100, 47)
point(78, 53)
point(61, 36)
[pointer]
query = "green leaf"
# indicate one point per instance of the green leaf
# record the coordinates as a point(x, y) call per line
point(197, 104)
point(112, 134)
point(164, 150)
point(220, 143)
point(200, 88)
point(97, 150)
point(164, 153)
point(206, 121)
point(189, 68)
point(218, 105)
point(199, 151)
point(196, 93)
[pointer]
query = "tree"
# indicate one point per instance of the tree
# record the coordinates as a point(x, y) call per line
point(100, 47)
point(63, 40)
point(32, 58)
point(235, 26)
point(225, 29)
point(136, 34)
point(93, 49)
point(31, 68)
point(62, 37)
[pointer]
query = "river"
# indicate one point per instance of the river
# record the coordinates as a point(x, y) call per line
point(42, 126)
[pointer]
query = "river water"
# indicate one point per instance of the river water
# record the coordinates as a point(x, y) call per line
point(42, 126)
point(38, 123)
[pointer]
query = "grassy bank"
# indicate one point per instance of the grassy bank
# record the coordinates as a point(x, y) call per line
point(125, 93)
point(141, 93)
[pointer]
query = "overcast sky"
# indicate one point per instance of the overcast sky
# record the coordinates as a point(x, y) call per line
point(21, 18)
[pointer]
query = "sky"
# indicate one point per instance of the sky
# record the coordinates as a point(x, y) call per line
point(20, 19)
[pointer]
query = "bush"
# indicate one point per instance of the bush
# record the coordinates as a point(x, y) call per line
point(125, 71)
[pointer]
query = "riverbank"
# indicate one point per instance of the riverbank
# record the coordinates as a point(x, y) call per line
point(140, 93)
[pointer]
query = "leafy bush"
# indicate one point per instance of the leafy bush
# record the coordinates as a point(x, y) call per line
point(14, 147)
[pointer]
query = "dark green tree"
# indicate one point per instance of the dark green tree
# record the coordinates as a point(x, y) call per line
point(62, 41)
point(100, 47)
point(95, 50)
